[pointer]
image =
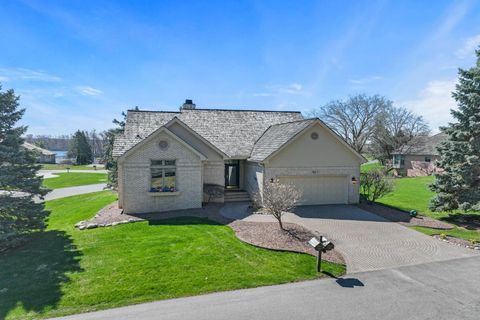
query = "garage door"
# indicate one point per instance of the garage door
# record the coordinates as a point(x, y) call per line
point(320, 190)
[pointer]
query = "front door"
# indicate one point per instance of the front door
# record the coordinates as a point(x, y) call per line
point(232, 174)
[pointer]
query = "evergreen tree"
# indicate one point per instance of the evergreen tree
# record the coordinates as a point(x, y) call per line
point(110, 161)
point(80, 148)
point(19, 214)
point(458, 187)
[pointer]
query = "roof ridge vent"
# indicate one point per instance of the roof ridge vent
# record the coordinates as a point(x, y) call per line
point(188, 105)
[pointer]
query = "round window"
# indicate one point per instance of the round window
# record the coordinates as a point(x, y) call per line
point(163, 145)
point(314, 135)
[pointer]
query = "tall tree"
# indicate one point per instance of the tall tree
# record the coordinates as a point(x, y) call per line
point(459, 185)
point(108, 158)
point(354, 118)
point(395, 128)
point(19, 214)
point(80, 148)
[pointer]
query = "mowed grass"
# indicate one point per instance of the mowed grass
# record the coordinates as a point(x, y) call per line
point(371, 166)
point(413, 193)
point(51, 166)
point(72, 179)
point(63, 270)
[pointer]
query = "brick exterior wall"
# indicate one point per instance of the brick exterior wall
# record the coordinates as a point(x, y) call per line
point(349, 172)
point(135, 179)
point(253, 178)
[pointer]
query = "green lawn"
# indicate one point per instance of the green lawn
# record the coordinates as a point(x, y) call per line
point(72, 167)
point(64, 271)
point(413, 193)
point(370, 166)
point(72, 179)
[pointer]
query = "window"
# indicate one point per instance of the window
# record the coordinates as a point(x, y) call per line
point(428, 159)
point(163, 176)
point(398, 160)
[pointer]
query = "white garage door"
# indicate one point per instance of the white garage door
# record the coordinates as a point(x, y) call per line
point(320, 189)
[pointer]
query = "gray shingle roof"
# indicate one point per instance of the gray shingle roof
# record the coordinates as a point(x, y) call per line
point(276, 136)
point(232, 131)
point(424, 145)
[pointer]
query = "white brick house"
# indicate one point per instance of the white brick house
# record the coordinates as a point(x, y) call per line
point(168, 160)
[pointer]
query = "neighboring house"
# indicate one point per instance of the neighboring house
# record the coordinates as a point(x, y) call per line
point(419, 158)
point(166, 159)
point(43, 155)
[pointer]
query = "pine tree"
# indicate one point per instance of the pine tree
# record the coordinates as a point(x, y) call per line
point(458, 187)
point(108, 158)
point(80, 148)
point(19, 214)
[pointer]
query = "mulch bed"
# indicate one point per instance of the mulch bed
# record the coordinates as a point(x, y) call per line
point(260, 234)
point(458, 242)
point(269, 235)
point(403, 217)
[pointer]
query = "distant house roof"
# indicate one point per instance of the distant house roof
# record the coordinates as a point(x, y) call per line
point(276, 136)
point(33, 147)
point(424, 145)
point(234, 132)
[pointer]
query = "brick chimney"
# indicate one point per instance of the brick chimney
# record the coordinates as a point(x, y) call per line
point(188, 105)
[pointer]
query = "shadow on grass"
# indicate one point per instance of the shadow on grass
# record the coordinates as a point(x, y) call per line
point(31, 276)
point(465, 220)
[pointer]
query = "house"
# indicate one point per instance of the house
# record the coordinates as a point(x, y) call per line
point(43, 155)
point(166, 159)
point(418, 159)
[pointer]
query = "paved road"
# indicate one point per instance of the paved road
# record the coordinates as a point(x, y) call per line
point(73, 191)
point(366, 241)
point(438, 290)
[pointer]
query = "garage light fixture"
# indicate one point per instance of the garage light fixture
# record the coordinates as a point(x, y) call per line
point(354, 180)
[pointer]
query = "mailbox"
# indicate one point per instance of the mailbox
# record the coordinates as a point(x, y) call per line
point(321, 245)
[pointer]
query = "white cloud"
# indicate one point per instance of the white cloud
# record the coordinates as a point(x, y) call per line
point(28, 75)
point(2, 78)
point(361, 81)
point(277, 90)
point(468, 49)
point(293, 88)
point(88, 91)
point(434, 102)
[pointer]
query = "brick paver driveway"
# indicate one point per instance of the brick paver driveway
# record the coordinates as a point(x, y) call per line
point(367, 241)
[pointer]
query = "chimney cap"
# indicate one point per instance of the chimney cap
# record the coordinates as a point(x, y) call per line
point(188, 105)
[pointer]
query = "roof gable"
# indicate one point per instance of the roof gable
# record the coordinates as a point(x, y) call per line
point(153, 135)
point(279, 136)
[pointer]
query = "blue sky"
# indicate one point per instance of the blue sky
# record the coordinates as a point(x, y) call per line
point(78, 64)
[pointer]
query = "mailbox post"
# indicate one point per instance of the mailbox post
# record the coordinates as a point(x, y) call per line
point(320, 245)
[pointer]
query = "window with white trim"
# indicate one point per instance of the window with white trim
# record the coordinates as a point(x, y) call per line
point(163, 175)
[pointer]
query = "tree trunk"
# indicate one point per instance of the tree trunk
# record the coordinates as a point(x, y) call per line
point(280, 223)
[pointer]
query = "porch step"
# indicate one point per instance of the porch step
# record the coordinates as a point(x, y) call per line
point(236, 196)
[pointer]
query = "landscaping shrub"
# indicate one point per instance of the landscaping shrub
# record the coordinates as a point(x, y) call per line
point(375, 184)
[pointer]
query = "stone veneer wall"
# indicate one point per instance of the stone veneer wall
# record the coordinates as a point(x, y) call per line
point(214, 173)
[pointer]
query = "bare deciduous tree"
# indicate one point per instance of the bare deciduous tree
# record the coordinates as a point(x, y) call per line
point(277, 198)
point(353, 119)
point(375, 184)
point(396, 128)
